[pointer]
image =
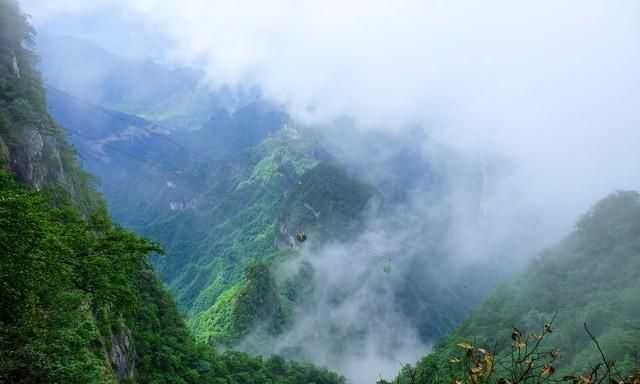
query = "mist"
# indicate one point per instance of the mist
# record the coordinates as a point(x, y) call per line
point(550, 86)
point(351, 323)
point(525, 112)
point(419, 265)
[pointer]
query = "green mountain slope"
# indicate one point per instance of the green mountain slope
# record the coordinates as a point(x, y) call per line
point(236, 191)
point(80, 302)
point(228, 194)
point(31, 144)
point(590, 277)
point(82, 305)
point(245, 207)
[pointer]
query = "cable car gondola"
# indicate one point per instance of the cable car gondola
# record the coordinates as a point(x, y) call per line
point(301, 237)
point(387, 268)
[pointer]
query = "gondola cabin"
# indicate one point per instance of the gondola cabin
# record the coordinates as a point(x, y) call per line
point(301, 236)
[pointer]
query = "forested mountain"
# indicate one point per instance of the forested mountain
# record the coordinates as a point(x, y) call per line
point(219, 207)
point(232, 186)
point(135, 86)
point(225, 198)
point(199, 273)
point(80, 302)
point(236, 191)
point(589, 279)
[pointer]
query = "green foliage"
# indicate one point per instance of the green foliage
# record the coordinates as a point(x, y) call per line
point(70, 285)
point(33, 146)
point(167, 353)
point(239, 309)
point(589, 277)
point(74, 287)
point(56, 271)
point(327, 202)
point(531, 360)
point(244, 369)
point(216, 325)
point(332, 193)
point(236, 215)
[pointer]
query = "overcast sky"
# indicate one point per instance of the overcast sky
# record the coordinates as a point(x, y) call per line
point(553, 86)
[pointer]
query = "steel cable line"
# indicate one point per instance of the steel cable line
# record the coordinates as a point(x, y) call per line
point(116, 116)
point(186, 148)
point(125, 153)
point(204, 186)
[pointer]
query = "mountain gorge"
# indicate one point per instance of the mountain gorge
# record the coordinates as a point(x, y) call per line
point(241, 198)
point(148, 226)
point(223, 194)
point(80, 301)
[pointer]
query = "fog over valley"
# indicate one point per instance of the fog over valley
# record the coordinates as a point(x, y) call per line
point(402, 192)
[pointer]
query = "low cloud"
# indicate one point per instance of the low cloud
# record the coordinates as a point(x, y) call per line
point(551, 86)
point(528, 109)
point(351, 322)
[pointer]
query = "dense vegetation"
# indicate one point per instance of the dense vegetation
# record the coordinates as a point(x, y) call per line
point(73, 289)
point(80, 302)
point(590, 277)
point(236, 189)
point(268, 192)
point(219, 216)
point(31, 144)
point(240, 307)
point(58, 271)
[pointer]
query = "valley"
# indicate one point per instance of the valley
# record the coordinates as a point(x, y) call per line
point(148, 222)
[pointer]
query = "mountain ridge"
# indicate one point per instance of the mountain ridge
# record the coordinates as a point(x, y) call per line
point(586, 280)
point(81, 303)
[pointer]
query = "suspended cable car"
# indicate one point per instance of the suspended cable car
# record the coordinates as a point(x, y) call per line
point(387, 268)
point(301, 237)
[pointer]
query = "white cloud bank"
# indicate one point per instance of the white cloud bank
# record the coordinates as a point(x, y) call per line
point(553, 85)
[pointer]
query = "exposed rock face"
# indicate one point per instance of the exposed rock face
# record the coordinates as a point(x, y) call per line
point(177, 205)
point(122, 355)
point(37, 152)
point(37, 160)
point(14, 65)
point(283, 239)
point(4, 152)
